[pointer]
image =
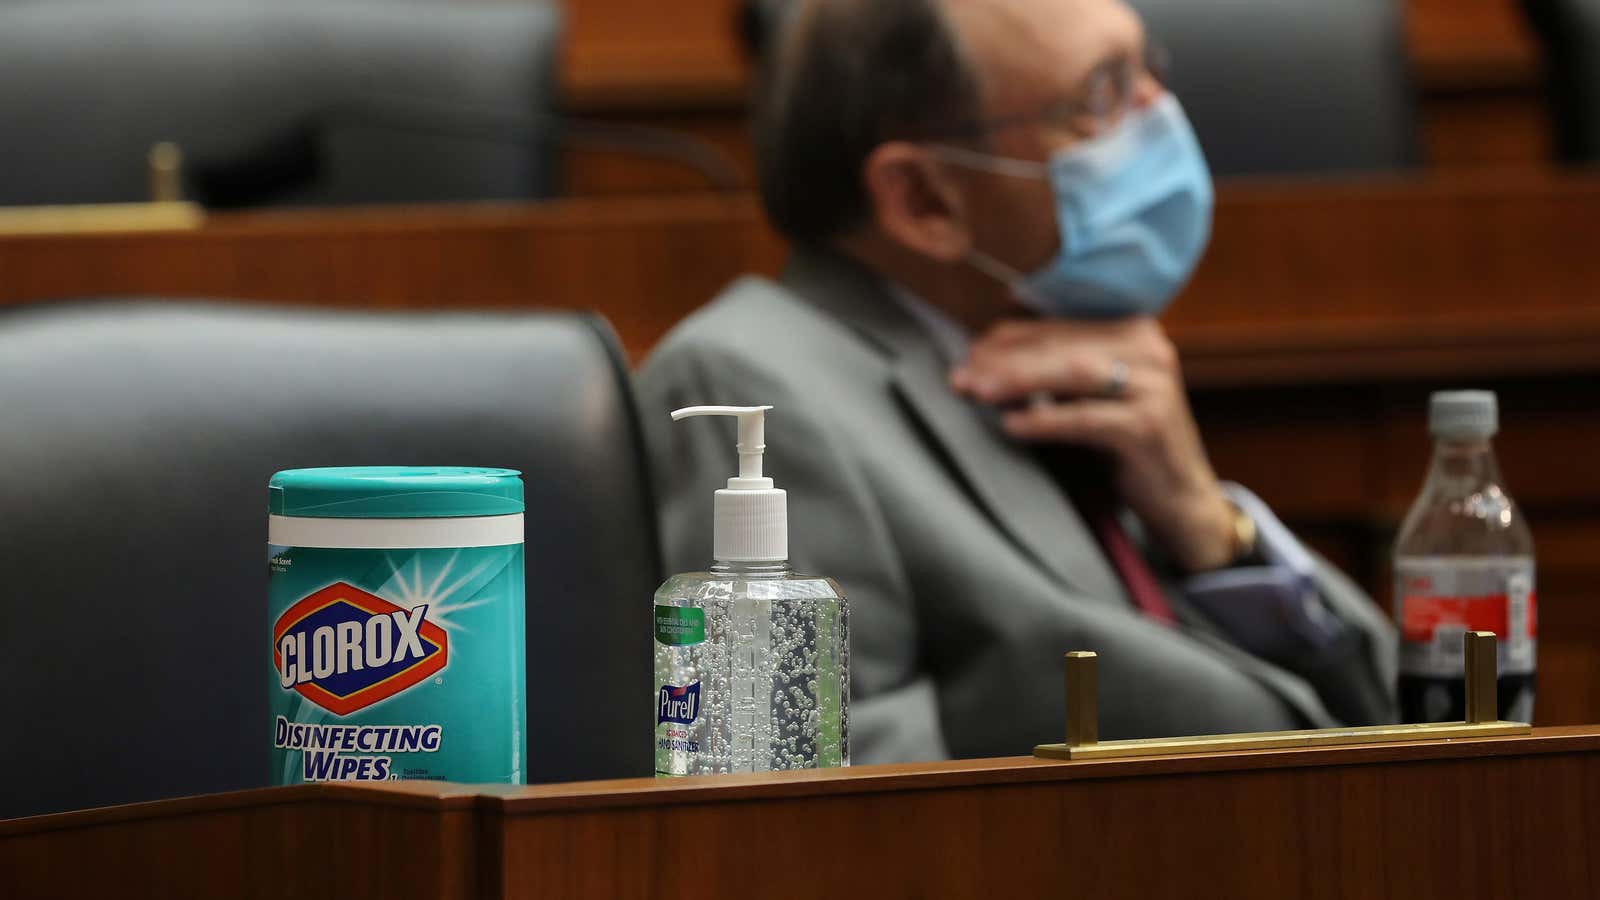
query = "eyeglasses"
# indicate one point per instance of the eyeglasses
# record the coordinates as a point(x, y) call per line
point(1108, 95)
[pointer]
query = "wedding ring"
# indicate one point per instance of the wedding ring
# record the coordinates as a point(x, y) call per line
point(1117, 383)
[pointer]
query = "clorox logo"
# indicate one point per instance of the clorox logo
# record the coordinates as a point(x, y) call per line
point(345, 649)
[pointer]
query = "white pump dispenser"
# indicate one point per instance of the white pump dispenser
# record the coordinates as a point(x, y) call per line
point(751, 522)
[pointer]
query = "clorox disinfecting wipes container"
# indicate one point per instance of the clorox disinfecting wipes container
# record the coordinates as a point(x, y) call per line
point(396, 607)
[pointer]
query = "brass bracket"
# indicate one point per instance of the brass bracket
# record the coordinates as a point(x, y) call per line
point(1082, 727)
point(164, 167)
point(99, 218)
point(166, 211)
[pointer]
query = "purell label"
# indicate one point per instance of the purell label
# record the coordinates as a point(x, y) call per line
point(677, 735)
point(678, 704)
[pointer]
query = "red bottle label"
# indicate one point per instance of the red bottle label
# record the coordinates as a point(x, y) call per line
point(1421, 616)
point(1439, 601)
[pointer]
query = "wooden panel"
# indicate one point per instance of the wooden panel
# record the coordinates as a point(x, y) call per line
point(645, 262)
point(676, 66)
point(1461, 45)
point(1569, 618)
point(647, 55)
point(1305, 282)
point(1489, 127)
point(1479, 72)
point(592, 173)
point(642, 55)
point(1470, 255)
point(290, 842)
point(1011, 829)
point(1369, 446)
point(1495, 817)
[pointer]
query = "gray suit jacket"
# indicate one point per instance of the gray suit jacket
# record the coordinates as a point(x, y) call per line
point(968, 571)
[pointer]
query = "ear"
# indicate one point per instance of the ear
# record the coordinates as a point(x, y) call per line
point(915, 202)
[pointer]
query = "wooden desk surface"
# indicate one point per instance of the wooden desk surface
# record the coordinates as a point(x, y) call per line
point(1495, 817)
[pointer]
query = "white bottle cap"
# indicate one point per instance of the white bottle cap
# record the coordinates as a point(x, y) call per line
point(1463, 414)
point(751, 522)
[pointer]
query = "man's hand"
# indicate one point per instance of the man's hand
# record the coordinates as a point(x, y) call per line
point(1115, 386)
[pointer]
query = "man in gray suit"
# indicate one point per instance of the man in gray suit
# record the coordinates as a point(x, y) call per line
point(982, 427)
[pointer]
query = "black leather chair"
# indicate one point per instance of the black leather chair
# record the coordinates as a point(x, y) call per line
point(1291, 86)
point(283, 101)
point(1272, 86)
point(136, 441)
point(1569, 31)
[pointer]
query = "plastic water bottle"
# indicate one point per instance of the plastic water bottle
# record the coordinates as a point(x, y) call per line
point(1464, 562)
point(752, 667)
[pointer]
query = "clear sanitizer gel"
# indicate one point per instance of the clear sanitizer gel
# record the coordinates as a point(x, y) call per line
point(752, 667)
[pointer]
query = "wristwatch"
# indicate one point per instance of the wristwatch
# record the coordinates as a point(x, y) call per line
point(1244, 534)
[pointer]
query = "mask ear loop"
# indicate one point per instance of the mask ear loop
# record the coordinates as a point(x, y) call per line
point(994, 268)
point(1012, 279)
point(987, 162)
point(998, 165)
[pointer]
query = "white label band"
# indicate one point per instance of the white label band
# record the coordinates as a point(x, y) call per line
point(394, 534)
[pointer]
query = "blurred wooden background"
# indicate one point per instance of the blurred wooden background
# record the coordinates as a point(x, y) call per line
point(679, 65)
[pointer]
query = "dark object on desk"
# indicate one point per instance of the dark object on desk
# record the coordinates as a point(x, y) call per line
point(303, 153)
point(86, 88)
point(1569, 32)
point(756, 23)
point(134, 456)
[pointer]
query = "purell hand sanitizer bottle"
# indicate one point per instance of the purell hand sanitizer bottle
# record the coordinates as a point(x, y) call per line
point(1464, 562)
point(752, 669)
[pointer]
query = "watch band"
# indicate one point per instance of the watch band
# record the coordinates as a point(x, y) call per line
point(1244, 533)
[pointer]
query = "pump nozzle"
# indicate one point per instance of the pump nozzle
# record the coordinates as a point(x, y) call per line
point(752, 520)
point(752, 441)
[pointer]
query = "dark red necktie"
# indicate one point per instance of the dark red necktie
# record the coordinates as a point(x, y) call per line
point(1089, 479)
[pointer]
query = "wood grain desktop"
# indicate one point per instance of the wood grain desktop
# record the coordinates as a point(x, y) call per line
point(1482, 818)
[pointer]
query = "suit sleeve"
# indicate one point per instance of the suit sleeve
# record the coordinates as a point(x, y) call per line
point(836, 527)
point(1299, 612)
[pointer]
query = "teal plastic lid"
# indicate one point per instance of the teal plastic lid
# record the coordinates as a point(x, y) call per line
point(394, 492)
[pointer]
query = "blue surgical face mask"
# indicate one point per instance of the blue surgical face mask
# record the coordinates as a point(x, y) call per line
point(1133, 208)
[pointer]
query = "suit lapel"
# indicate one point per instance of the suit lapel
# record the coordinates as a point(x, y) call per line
point(1007, 480)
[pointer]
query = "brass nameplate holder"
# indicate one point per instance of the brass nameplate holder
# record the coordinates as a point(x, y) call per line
point(1083, 719)
point(100, 218)
point(166, 211)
